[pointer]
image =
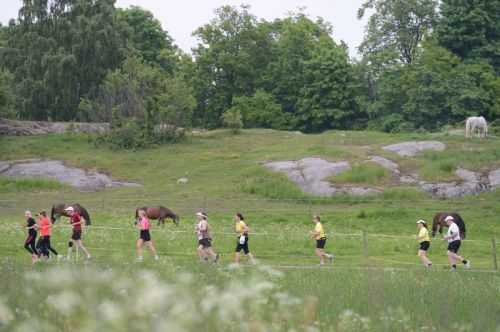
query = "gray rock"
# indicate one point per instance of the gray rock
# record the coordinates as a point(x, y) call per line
point(28, 128)
point(472, 185)
point(386, 163)
point(410, 149)
point(358, 191)
point(494, 178)
point(4, 166)
point(56, 170)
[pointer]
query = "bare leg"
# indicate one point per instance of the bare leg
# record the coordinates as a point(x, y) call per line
point(152, 249)
point(252, 259)
point(201, 253)
point(80, 244)
point(139, 244)
point(320, 254)
point(423, 257)
point(237, 258)
point(211, 253)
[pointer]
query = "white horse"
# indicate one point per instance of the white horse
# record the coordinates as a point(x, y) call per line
point(476, 124)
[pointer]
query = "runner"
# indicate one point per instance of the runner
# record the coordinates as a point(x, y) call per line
point(76, 236)
point(144, 236)
point(318, 234)
point(242, 240)
point(30, 242)
point(202, 230)
point(425, 241)
point(43, 244)
point(454, 242)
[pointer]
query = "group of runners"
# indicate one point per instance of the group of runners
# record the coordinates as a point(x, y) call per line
point(452, 237)
point(41, 249)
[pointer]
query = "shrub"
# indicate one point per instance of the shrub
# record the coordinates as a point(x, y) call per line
point(232, 120)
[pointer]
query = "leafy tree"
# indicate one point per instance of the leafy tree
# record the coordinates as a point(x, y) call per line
point(396, 28)
point(143, 32)
point(232, 120)
point(230, 60)
point(259, 111)
point(471, 29)
point(6, 95)
point(327, 99)
point(59, 52)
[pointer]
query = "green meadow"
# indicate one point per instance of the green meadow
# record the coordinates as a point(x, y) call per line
point(376, 282)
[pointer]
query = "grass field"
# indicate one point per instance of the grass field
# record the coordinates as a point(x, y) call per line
point(376, 283)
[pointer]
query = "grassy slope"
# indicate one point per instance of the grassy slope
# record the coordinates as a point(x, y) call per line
point(224, 176)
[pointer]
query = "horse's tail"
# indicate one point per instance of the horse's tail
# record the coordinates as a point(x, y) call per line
point(86, 216)
point(52, 213)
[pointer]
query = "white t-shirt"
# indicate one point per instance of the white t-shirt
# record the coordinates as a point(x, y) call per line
point(453, 233)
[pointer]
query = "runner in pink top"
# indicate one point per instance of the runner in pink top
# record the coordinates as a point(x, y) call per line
point(144, 236)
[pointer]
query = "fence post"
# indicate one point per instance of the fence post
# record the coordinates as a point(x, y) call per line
point(494, 253)
point(365, 244)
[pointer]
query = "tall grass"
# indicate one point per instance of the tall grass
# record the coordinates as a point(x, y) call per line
point(365, 173)
point(8, 184)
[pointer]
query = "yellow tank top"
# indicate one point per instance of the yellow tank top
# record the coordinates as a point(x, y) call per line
point(240, 227)
point(320, 231)
point(423, 235)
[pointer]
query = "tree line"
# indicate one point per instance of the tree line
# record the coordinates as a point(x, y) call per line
point(424, 64)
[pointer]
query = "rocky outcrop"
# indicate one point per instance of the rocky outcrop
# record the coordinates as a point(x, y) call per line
point(29, 128)
point(311, 175)
point(472, 184)
point(410, 149)
point(494, 178)
point(386, 163)
point(56, 170)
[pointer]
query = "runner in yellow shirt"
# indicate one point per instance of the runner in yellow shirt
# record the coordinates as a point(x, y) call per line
point(425, 242)
point(319, 235)
point(241, 229)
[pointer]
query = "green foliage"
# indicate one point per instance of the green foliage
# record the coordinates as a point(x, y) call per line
point(8, 184)
point(232, 119)
point(144, 33)
point(6, 94)
point(59, 54)
point(471, 30)
point(396, 29)
point(260, 111)
point(365, 173)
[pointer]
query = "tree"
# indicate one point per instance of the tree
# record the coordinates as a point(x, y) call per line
point(260, 111)
point(59, 52)
point(143, 32)
point(6, 95)
point(471, 29)
point(327, 99)
point(230, 61)
point(396, 28)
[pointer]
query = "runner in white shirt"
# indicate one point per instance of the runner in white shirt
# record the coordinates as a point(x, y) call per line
point(454, 242)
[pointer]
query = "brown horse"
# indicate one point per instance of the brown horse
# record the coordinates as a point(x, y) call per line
point(59, 210)
point(159, 213)
point(438, 223)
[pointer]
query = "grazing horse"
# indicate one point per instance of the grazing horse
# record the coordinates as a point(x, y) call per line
point(438, 223)
point(476, 124)
point(59, 210)
point(159, 213)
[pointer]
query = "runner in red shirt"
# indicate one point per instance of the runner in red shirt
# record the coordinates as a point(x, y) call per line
point(76, 236)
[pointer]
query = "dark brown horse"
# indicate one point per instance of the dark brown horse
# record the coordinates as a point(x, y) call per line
point(438, 223)
point(159, 213)
point(59, 210)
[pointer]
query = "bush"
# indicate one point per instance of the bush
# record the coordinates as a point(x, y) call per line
point(232, 120)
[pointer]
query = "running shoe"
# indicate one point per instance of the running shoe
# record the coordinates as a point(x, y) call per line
point(467, 265)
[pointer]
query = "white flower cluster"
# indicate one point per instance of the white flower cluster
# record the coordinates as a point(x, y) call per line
point(75, 299)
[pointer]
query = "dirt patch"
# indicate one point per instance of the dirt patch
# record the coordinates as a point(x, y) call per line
point(54, 169)
point(29, 128)
point(311, 175)
point(410, 149)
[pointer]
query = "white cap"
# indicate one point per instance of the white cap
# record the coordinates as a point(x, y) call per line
point(449, 218)
point(69, 208)
point(201, 214)
point(421, 222)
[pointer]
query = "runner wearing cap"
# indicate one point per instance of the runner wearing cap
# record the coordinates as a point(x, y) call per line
point(76, 236)
point(454, 242)
point(202, 230)
point(319, 235)
point(144, 236)
point(425, 242)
